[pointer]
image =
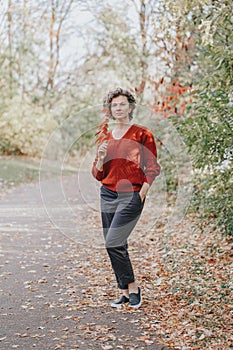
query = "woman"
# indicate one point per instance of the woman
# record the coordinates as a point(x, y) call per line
point(126, 164)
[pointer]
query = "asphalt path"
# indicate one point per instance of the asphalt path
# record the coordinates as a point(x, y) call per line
point(49, 233)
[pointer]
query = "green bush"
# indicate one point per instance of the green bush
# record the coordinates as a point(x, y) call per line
point(24, 128)
point(208, 124)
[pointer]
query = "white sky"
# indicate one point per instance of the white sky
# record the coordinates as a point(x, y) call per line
point(75, 45)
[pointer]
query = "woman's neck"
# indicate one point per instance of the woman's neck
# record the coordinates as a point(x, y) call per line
point(122, 124)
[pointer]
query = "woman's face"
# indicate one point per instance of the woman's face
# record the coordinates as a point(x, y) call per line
point(120, 108)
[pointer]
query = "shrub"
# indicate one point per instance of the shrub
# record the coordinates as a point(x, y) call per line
point(24, 128)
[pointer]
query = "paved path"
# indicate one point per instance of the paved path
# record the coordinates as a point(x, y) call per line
point(49, 250)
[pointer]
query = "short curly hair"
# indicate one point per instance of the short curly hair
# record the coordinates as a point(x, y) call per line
point(119, 92)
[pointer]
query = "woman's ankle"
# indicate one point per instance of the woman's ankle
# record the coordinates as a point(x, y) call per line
point(133, 288)
point(125, 292)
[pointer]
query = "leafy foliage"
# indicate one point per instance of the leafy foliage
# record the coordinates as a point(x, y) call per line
point(24, 128)
point(208, 123)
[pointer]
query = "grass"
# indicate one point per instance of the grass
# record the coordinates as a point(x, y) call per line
point(17, 170)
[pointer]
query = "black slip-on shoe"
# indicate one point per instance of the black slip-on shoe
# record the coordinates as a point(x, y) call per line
point(135, 299)
point(123, 300)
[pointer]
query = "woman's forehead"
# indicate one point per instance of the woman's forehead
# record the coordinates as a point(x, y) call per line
point(120, 98)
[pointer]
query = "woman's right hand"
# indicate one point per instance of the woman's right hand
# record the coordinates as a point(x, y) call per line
point(102, 150)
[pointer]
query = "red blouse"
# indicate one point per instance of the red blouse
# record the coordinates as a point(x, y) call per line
point(130, 161)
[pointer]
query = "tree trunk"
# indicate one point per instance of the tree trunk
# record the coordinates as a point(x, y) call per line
point(51, 53)
point(10, 44)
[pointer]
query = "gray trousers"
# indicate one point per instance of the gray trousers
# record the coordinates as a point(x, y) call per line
point(120, 213)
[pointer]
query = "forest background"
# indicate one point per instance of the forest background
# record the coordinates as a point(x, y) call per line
point(58, 58)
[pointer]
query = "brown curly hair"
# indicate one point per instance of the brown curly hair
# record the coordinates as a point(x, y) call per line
point(119, 92)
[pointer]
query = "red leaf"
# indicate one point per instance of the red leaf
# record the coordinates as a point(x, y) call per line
point(102, 131)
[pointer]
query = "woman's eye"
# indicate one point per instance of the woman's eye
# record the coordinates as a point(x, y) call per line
point(121, 105)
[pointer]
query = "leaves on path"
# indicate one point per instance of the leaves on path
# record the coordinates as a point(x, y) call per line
point(188, 286)
point(185, 275)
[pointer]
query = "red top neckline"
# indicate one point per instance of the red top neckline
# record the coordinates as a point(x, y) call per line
point(114, 138)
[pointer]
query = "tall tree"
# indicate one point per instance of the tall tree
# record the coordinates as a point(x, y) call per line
point(10, 49)
point(59, 12)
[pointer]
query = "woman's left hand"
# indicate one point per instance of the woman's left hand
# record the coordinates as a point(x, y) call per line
point(144, 190)
point(141, 196)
